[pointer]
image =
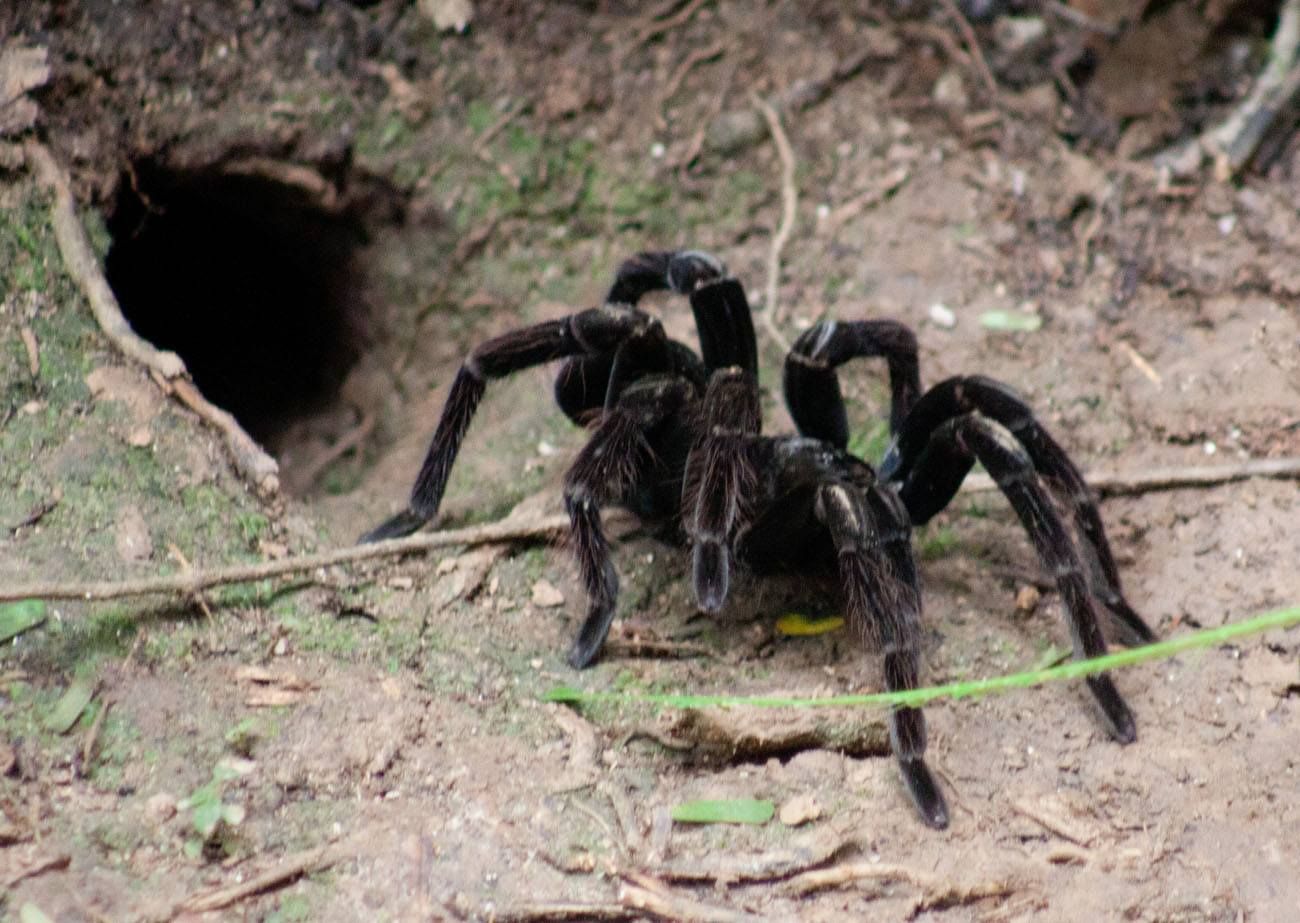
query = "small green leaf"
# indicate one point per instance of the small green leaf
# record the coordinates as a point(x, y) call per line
point(563, 694)
point(15, 618)
point(69, 708)
point(732, 811)
point(795, 625)
point(30, 913)
point(206, 815)
point(232, 814)
point(193, 848)
point(1050, 658)
point(1014, 321)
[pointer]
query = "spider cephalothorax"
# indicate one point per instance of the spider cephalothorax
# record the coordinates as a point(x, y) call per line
point(675, 437)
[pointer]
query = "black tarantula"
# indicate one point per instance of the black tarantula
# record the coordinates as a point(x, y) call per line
point(676, 439)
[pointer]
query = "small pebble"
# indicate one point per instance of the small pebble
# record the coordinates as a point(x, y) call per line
point(1027, 598)
point(546, 595)
point(799, 810)
point(941, 315)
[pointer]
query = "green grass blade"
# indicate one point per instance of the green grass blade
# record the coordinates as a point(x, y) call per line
point(17, 617)
point(913, 698)
point(730, 811)
point(68, 709)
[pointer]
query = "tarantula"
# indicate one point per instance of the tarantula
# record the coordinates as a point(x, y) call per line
point(676, 439)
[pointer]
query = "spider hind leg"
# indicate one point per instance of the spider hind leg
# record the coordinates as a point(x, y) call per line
point(872, 538)
point(946, 466)
point(953, 447)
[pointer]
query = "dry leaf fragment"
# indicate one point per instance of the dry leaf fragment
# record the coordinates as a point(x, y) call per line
point(22, 68)
point(448, 15)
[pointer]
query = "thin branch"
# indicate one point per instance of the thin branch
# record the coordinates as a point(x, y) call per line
point(644, 893)
point(293, 868)
point(193, 581)
point(82, 264)
point(658, 27)
point(696, 57)
point(1121, 483)
point(563, 911)
point(508, 530)
point(973, 46)
point(789, 204)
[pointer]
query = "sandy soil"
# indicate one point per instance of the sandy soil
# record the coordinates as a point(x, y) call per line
point(379, 729)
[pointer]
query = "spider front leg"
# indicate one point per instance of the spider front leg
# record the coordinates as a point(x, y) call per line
point(872, 538)
point(616, 459)
point(719, 480)
point(812, 388)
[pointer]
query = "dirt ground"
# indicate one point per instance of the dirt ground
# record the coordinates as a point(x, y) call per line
point(377, 730)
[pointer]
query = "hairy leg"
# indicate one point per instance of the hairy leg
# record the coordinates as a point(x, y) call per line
point(812, 388)
point(883, 601)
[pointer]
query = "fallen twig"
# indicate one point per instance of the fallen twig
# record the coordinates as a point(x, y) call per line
point(80, 261)
point(1106, 484)
point(972, 43)
point(506, 530)
point(82, 265)
point(658, 26)
point(777, 864)
point(290, 870)
point(1062, 827)
point(674, 83)
point(529, 913)
point(789, 204)
point(1120, 483)
point(1232, 143)
point(48, 863)
point(641, 892)
point(880, 190)
point(303, 476)
point(33, 350)
point(935, 892)
point(92, 736)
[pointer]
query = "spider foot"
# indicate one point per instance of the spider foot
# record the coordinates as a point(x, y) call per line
point(1118, 717)
point(711, 571)
point(591, 638)
point(403, 524)
point(924, 792)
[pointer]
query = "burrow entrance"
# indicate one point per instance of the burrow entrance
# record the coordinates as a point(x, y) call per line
point(256, 282)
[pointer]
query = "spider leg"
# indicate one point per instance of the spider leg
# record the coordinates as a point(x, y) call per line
point(953, 447)
point(617, 456)
point(994, 400)
point(812, 388)
point(595, 331)
point(872, 536)
point(719, 480)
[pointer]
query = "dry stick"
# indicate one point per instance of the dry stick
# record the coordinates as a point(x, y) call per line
point(293, 868)
point(528, 913)
point(789, 204)
point(50, 863)
point(1118, 483)
point(1233, 143)
point(641, 892)
point(83, 266)
point(196, 580)
point(696, 57)
point(314, 467)
point(973, 45)
point(1106, 484)
point(654, 29)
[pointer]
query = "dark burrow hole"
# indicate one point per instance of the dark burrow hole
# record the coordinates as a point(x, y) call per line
point(254, 282)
